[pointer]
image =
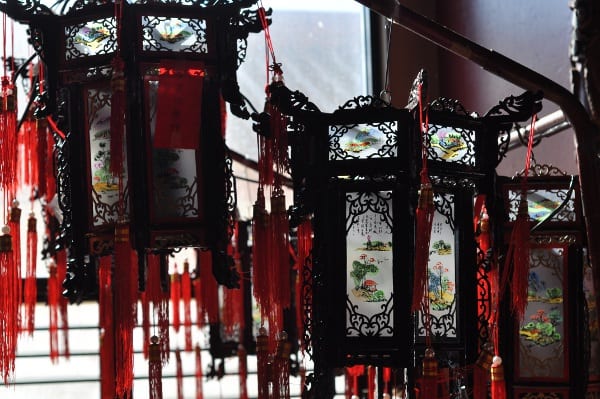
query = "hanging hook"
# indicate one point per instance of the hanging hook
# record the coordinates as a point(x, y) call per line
point(386, 94)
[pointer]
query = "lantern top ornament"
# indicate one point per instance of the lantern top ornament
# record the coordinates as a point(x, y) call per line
point(27, 11)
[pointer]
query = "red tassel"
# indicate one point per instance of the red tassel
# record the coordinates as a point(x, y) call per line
point(232, 319)
point(9, 137)
point(145, 305)
point(354, 372)
point(481, 371)
point(262, 363)
point(199, 388)
point(497, 377)
point(186, 295)
point(15, 228)
point(243, 371)
point(107, 338)
point(281, 368)
point(30, 294)
point(117, 117)
point(209, 291)
point(482, 225)
point(125, 294)
point(517, 255)
point(9, 281)
point(265, 161)
point(175, 298)
point(260, 261)
point(429, 387)
point(61, 274)
point(516, 263)
point(371, 376)
point(279, 142)
point(179, 373)
point(280, 261)
point(160, 304)
point(424, 221)
point(155, 368)
point(53, 298)
point(387, 377)
point(28, 152)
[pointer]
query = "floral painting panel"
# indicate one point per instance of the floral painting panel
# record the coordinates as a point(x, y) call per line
point(369, 263)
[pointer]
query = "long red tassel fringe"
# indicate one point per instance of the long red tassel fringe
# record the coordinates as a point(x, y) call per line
point(243, 371)
point(497, 377)
point(125, 314)
point(155, 369)
point(353, 373)
point(63, 302)
point(232, 318)
point(186, 296)
point(176, 298)
point(481, 372)
point(209, 291)
point(107, 338)
point(30, 294)
point(179, 373)
point(281, 368)
point(53, 298)
point(262, 363)
point(10, 274)
point(199, 387)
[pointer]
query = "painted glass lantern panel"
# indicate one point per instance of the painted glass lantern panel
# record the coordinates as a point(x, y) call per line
point(441, 272)
point(186, 35)
point(90, 38)
point(369, 264)
point(104, 186)
point(451, 144)
point(541, 335)
point(542, 203)
point(174, 179)
point(363, 141)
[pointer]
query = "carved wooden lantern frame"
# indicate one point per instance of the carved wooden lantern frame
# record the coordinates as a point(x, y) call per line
point(175, 197)
point(355, 172)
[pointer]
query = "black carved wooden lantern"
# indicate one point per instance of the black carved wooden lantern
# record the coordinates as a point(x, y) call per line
point(179, 61)
point(550, 345)
point(462, 150)
point(356, 172)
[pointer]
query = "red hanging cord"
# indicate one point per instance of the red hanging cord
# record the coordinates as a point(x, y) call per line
point(424, 217)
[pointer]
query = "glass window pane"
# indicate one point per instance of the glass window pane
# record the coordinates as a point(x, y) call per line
point(322, 48)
